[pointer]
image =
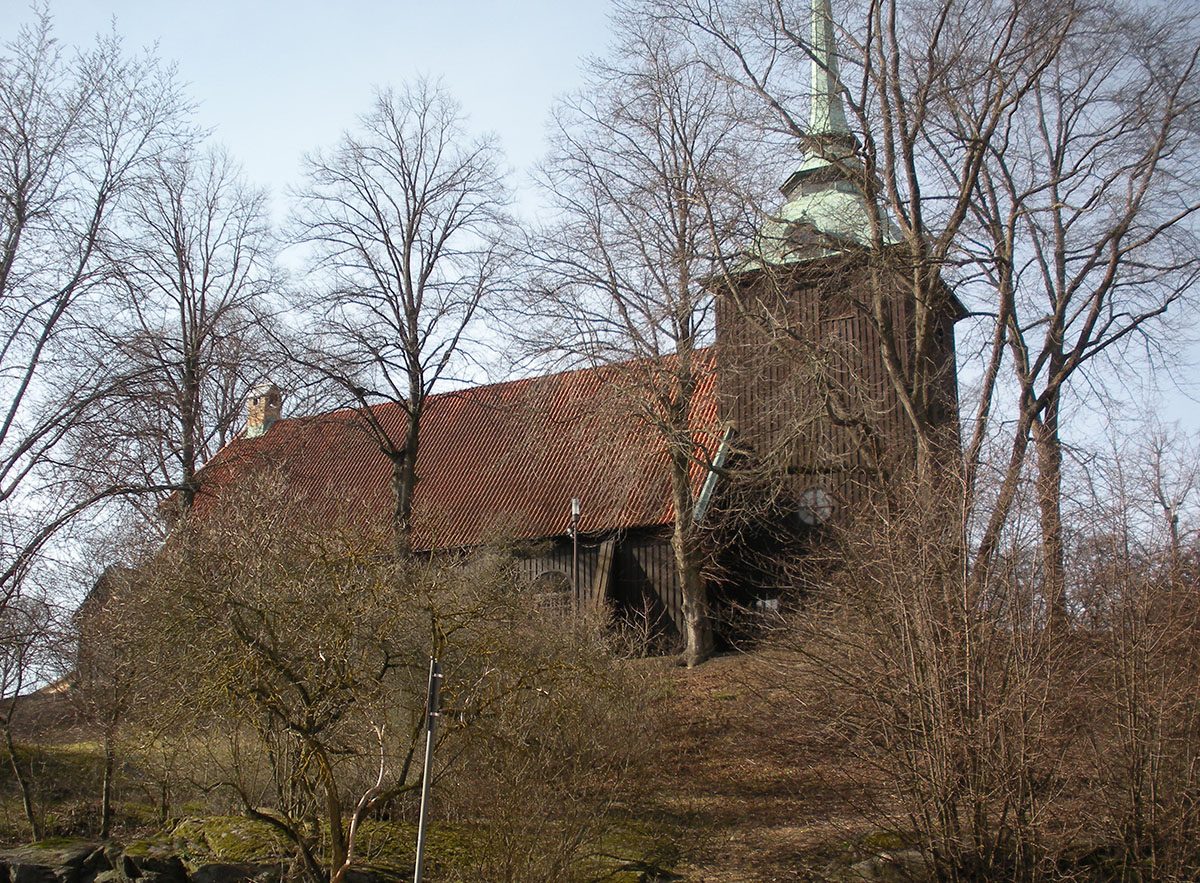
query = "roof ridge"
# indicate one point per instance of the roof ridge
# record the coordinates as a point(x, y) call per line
point(464, 391)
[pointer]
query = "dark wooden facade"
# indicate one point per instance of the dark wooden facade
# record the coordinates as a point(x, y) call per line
point(631, 573)
point(801, 375)
point(801, 379)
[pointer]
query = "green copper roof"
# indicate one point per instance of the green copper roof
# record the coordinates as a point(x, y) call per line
point(819, 223)
point(826, 116)
point(825, 210)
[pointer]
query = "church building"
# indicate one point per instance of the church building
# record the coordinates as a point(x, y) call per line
point(558, 468)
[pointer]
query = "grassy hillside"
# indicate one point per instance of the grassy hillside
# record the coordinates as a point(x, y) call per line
point(746, 789)
point(758, 782)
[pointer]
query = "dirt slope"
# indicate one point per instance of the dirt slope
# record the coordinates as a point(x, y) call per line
point(757, 779)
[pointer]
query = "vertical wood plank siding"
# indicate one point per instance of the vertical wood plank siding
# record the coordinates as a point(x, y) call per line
point(644, 573)
point(794, 361)
point(646, 578)
point(558, 557)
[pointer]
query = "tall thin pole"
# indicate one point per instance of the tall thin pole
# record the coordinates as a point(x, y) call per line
point(576, 508)
point(431, 716)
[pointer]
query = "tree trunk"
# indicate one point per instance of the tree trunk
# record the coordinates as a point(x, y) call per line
point(333, 817)
point(989, 543)
point(1048, 450)
point(188, 418)
point(106, 788)
point(697, 624)
point(35, 827)
point(404, 480)
point(164, 800)
point(402, 510)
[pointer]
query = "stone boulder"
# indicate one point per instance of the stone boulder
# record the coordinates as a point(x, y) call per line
point(66, 862)
point(237, 872)
point(91, 862)
point(156, 864)
point(898, 866)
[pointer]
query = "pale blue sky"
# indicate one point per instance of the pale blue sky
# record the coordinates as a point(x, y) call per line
point(274, 79)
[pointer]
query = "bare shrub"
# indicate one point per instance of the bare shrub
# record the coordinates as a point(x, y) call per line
point(1139, 614)
point(1008, 747)
point(297, 653)
point(556, 753)
point(948, 688)
point(1145, 764)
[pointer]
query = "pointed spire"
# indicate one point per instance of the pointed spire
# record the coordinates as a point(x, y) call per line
point(830, 145)
point(825, 208)
point(826, 115)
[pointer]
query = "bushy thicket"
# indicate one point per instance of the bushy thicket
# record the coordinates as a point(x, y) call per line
point(1014, 746)
point(276, 663)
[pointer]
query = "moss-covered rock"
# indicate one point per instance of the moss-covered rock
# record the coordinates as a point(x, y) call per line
point(234, 849)
point(231, 839)
point(113, 876)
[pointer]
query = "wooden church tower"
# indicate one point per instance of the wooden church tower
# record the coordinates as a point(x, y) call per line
point(816, 344)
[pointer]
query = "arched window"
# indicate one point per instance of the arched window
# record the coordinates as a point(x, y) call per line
point(552, 592)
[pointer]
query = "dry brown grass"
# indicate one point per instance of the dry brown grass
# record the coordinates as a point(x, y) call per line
point(761, 786)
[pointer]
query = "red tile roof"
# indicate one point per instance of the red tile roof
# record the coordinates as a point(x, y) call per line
point(496, 462)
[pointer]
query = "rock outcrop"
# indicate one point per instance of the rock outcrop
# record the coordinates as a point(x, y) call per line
point(95, 862)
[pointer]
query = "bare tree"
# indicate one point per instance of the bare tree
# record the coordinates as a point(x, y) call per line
point(404, 221)
point(1037, 158)
point(643, 176)
point(194, 269)
point(1132, 564)
point(1171, 481)
point(25, 623)
point(75, 137)
point(1088, 219)
point(107, 670)
point(1040, 159)
point(313, 656)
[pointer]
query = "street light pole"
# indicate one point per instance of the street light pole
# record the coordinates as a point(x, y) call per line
point(576, 508)
point(431, 716)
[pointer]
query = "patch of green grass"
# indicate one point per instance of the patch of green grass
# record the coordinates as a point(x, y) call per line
point(634, 848)
point(56, 772)
point(881, 841)
point(57, 842)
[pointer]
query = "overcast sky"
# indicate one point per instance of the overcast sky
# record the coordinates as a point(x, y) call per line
point(274, 79)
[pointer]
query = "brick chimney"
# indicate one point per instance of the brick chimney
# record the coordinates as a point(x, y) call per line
point(262, 409)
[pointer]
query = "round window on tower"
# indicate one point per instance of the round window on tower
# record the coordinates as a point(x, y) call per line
point(815, 506)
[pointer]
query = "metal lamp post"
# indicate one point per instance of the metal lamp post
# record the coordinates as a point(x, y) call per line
point(431, 716)
point(576, 508)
